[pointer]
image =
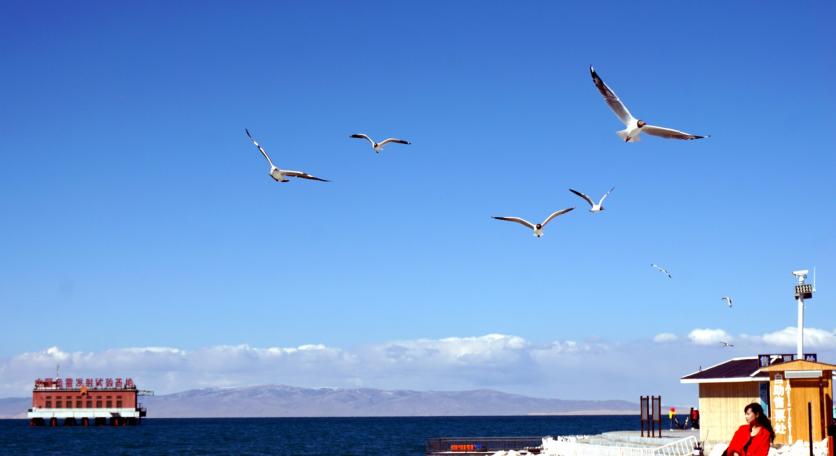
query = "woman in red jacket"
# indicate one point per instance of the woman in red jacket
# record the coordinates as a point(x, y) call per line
point(753, 438)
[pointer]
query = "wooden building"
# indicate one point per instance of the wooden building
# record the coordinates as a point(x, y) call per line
point(797, 387)
point(725, 389)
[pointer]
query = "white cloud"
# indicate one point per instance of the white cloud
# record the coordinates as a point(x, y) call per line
point(706, 336)
point(171, 369)
point(662, 338)
point(813, 338)
point(499, 361)
point(561, 368)
point(491, 348)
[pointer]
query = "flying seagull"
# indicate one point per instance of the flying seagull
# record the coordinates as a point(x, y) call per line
point(728, 300)
point(538, 228)
point(378, 146)
point(596, 207)
point(726, 344)
point(662, 270)
point(281, 175)
point(634, 126)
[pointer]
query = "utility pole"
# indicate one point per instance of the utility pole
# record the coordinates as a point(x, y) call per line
point(802, 291)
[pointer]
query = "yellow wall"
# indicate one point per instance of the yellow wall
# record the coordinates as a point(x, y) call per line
point(721, 408)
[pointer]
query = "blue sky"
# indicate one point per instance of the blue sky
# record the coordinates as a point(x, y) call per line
point(136, 213)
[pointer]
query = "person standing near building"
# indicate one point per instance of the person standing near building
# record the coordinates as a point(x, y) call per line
point(753, 438)
point(695, 418)
point(671, 416)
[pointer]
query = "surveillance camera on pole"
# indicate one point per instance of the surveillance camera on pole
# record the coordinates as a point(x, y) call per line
point(801, 274)
point(802, 291)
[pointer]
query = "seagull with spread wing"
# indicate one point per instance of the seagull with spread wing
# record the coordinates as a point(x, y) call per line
point(538, 227)
point(726, 344)
point(378, 146)
point(728, 300)
point(634, 126)
point(281, 175)
point(596, 207)
point(662, 270)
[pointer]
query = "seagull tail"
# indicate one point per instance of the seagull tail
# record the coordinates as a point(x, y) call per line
point(623, 135)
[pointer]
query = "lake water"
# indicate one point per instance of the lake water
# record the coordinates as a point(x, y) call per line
point(287, 436)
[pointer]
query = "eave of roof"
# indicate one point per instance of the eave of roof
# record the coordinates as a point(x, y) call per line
point(724, 380)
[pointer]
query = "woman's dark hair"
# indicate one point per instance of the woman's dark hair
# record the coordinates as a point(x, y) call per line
point(761, 419)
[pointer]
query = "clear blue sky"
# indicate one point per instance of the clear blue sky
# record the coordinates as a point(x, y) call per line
point(136, 213)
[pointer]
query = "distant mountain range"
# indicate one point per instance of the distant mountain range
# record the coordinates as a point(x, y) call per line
point(288, 401)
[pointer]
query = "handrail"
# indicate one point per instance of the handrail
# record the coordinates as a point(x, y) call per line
point(572, 447)
point(680, 447)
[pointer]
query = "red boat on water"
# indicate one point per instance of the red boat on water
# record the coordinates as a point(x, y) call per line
point(86, 402)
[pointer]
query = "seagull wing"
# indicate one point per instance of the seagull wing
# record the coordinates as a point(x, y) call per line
point(261, 149)
point(362, 136)
point(663, 270)
point(302, 175)
point(611, 98)
point(669, 133)
point(605, 196)
point(521, 221)
point(555, 214)
point(588, 199)
point(394, 140)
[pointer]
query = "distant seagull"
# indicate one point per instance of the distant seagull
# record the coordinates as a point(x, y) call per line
point(634, 126)
point(728, 300)
point(596, 207)
point(726, 344)
point(663, 270)
point(281, 175)
point(378, 146)
point(538, 228)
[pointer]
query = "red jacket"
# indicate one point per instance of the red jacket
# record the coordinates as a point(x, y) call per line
point(758, 447)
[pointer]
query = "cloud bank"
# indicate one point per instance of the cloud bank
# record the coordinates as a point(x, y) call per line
point(563, 369)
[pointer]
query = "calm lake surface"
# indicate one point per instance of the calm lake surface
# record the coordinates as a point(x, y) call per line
point(287, 436)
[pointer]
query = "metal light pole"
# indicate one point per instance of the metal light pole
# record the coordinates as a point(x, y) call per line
point(802, 291)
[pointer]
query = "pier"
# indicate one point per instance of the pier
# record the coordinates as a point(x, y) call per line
point(618, 443)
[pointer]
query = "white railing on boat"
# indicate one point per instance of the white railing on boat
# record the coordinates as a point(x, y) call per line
point(576, 447)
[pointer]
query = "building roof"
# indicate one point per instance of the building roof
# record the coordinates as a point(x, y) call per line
point(798, 365)
point(756, 368)
point(746, 369)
